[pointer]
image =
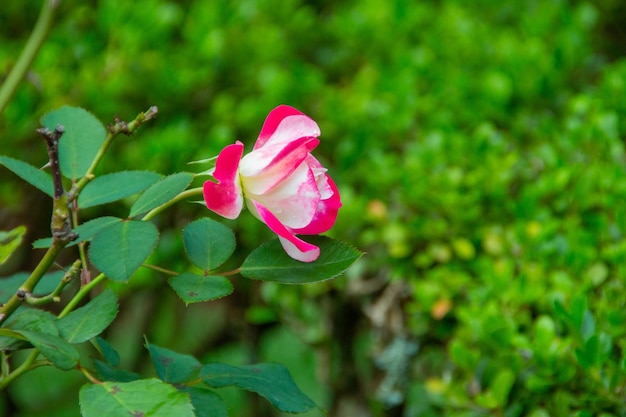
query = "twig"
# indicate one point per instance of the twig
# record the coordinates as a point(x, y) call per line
point(55, 295)
point(118, 126)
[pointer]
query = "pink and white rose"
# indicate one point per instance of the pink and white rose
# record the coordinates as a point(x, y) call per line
point(279, 181)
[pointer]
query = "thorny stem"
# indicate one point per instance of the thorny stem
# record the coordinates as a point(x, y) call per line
point(36, 39)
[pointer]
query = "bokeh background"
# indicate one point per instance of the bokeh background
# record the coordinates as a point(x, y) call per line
point(479, 150)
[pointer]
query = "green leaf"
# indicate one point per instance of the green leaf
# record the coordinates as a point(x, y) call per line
point(501, 386)
point(107, 372)
point(269, 262)
point(56, 350)
point(206, 402)
point(192, 288)
point(10, 241)
point(120, 249)
point(208, 243)
point(11, 334)
point(578, 309)
point(115, 186)
point(173, 367)
point(109, 354)
point(270, 380)
point(587, 325)
point(90, 320)
point(35, 177)
point(33, 319)
point(161, 192)
point(544, 330)
point(83, 137)
point(9, 285)
point(145, 398)
point(84, 231)
point(27, 319)
point(595, 350)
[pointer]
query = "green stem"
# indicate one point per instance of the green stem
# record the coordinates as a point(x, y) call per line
point(159, 269)
point(90, 377)
point(228, 273)
point(55, 295)
point(76, 189)
point(185, 194)
point(81, 294)
point(37, 37)
point(81, 246)
point(27, 365)
point(30, 283)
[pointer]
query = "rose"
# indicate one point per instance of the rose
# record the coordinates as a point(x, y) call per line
point(280, 182)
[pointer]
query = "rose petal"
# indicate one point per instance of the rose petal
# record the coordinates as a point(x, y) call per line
point(225, 197)
point(294, 201)
point(266, 167)
point(325, 213)
point(297, 127)
point(309, 254)
point(296, 248)
point(326, 191)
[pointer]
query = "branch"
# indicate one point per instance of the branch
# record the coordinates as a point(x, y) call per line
point(120, 126)
point(61, 224)
point(29, 285)
point(52, 142)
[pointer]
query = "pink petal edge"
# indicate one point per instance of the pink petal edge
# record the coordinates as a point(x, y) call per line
point(272, 121)
point(296, 248)
point(225, 197)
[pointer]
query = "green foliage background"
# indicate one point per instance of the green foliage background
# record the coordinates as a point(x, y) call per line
point(479, 149)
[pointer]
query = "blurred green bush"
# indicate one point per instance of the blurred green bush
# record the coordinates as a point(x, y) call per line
point(479, 148)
